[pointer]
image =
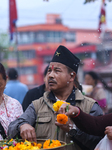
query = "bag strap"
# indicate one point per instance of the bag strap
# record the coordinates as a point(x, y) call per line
point(48, 105)
point(2, 132)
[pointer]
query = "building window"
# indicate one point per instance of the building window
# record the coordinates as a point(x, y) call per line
point(27, 70)
point(40, 37)
point(70, 36)
point(84, 55)
point(27, 54)
point(54, 36)
point(47, 59)
point(45, 36)
point(25, 37)
point(31, 37)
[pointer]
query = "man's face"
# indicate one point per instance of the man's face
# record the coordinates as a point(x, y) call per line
point(58, 76)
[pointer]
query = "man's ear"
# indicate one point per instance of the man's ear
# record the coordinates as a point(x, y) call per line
point(73, 75)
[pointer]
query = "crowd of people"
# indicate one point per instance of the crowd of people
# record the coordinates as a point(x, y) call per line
point(87, 123)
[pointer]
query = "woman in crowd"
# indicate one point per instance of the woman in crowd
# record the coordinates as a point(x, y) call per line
point(94, 125)
point(10, 109)
point(98, 93)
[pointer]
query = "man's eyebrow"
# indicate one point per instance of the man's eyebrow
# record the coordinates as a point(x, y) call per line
point(57, 68)
point(54, 67)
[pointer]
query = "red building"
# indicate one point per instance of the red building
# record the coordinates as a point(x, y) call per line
point(37, 43)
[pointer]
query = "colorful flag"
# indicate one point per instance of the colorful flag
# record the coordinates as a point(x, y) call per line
point(102, 21)
point(12, 17)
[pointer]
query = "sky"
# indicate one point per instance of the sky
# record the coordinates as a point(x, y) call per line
point(74, 13)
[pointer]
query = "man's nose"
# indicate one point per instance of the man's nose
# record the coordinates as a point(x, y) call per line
point(51, 74)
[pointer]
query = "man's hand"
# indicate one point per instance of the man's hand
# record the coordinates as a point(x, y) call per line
point(27, 132)
point(72, 110)
point(65, 127)
point(108, 131)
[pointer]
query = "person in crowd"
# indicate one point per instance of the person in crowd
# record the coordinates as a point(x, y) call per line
point(14, 88)
point(95, 125)
point(10, 108)
point(35, 93)
point(60, 77)
point(98, 92)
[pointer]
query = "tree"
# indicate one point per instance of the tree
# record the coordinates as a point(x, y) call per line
point(87, 1)
point(4, 47)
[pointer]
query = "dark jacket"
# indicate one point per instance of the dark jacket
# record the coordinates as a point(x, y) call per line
point(95, 125)
point(33, 94)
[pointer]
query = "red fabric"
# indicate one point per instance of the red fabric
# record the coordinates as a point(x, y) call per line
point(102, 17)
point(76, 115)
point(12, 16)
point(102, 103)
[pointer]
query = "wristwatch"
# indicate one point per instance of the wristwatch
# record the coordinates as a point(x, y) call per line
point(72, 132)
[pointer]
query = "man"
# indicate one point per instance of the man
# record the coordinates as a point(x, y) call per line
point(35, 93)
point(61, 74)
point(14, 88)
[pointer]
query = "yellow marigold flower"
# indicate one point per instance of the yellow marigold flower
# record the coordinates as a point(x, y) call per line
point(62, 118)
point(35, 147)
point(11, 140)
point(57, 105)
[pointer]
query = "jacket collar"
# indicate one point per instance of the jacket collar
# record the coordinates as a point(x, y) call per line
point(75, 95)
point(78, 95)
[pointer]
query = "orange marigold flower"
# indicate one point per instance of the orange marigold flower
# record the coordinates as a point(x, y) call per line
point(39, 145)
point(62, 118)
point(51, 144)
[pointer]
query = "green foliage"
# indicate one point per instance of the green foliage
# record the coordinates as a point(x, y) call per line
point(4, 46)
point(87, 1)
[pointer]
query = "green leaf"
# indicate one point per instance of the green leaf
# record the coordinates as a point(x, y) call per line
point(50, 142)
point(67, 108)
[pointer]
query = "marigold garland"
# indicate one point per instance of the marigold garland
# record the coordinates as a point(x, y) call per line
point(27, 145)
point(62, 118)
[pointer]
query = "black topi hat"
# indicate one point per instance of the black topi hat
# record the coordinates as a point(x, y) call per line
point(64, 56)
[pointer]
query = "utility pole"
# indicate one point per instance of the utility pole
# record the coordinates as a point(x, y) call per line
point(16, 51)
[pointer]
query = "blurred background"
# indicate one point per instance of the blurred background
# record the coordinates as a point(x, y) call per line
point(31, 31)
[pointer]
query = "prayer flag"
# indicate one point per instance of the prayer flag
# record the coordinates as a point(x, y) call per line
point(102, 20)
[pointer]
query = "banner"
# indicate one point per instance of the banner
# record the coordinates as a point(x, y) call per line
point(102, 19)
point(12, 17)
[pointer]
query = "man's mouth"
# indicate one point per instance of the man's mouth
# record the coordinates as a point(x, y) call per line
point(51, 82)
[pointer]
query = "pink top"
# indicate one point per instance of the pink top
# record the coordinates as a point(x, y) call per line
point(10, 110)
point(99, 95)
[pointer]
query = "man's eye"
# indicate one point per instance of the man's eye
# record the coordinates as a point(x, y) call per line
point(49, 71)
point(57, 70)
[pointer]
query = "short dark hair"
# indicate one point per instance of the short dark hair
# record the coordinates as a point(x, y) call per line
point(2, 72)
point(69, 69)
point(45, 71)
point(12, 74)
